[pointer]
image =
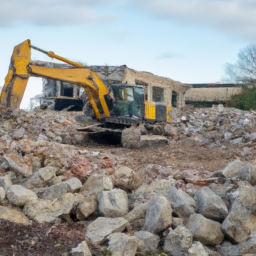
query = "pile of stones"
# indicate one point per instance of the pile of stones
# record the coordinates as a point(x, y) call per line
point(190, 213)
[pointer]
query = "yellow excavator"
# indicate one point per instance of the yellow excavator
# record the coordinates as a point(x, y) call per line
point(122, 108)
point(125, 104)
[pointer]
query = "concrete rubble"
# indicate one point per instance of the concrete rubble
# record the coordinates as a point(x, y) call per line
point(48, 175)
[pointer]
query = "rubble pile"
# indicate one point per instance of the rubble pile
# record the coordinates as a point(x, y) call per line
point(190, 212)
point(213, 127)
point(218, 126)
point(47, 125)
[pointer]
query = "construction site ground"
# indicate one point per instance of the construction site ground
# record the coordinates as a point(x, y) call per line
point(178, 156)
point(40, 239)
point(221, 139)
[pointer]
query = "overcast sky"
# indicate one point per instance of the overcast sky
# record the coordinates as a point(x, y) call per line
point(186, 40)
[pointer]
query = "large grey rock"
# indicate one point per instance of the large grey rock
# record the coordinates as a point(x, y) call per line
point(95, 184)
point(86, 207)
point(74, 184)
point(248, 173)
point(121, 244)
point(13, 215)
point(241, 222)
point(126, 178)
point(210, 205)
point(197, 249)
point(148, 242)
point(5, 181)
point(81, 250)
point(19, 196)
point(146, 141)
point(158, 215)
point(45, 211)
point(178, 242)
point(138, 212)
point(247, 247)
point(233, 168)
point(157, 188)
point(206, 231)
point(41, 178)
point(182, 204)
point(69, 186)
point(98, 231)
point(113, 203)
point(56, 191)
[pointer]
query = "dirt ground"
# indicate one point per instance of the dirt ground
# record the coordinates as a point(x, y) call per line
point(38, 239)
point(178, 156)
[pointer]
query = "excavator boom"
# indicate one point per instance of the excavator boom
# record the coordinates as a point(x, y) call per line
point(21, 69)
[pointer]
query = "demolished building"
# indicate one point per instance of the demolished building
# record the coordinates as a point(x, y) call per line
point(156, 88)
point(205, 94)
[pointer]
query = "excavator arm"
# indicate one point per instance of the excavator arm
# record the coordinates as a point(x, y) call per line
point(21, 69)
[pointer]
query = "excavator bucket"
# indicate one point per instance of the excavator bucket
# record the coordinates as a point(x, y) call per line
point(17, 77)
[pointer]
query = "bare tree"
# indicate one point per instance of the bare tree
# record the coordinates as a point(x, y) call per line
point(244, 70)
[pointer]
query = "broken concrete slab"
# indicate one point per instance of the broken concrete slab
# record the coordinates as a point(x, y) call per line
point(122, 244)
point(210, 205)
point(158, 215)
point(178, 241)
point(19, 196)
point(113, 203)
point(98, 235)
point(126, 178)
point(147, 141)
point(13, 215)
point(95, 184)
point(88, 206)
point(147, 242)
point(182, 204)
point(48, 211)
point(206, 231)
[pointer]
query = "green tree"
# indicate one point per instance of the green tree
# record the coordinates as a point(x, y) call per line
point(246, 100)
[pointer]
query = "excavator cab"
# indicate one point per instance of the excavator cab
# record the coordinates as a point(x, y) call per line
point(127, 106)
point(129, 100)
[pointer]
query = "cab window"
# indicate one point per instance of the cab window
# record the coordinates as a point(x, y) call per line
point(126, 94)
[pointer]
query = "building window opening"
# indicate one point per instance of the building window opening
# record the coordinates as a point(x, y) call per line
point(126, 94)
point(67, 89)
point(174, 99)
point(68, 92)
point(158, 94)
point(145, 87)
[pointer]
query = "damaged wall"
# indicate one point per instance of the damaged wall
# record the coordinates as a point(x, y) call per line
point(150, 80)
point(211, 93)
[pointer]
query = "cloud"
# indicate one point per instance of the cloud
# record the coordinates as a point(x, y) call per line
point(234, 16)
point(52, 12)
point(168, 55)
